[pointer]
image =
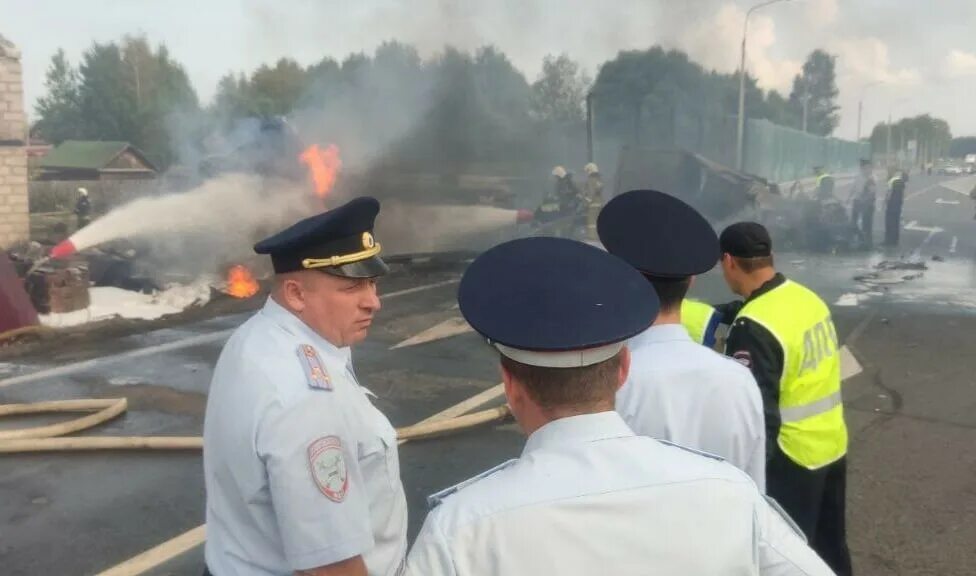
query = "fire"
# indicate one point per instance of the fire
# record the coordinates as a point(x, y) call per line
point(323, 165)
point(240, 282)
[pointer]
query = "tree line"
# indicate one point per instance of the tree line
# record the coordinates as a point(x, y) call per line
point(932, 137)
point(456, 106)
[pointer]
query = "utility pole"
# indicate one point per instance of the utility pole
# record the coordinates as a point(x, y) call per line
point(741, 121)
point(806, 100)
point(860, 106)
point(888, 144)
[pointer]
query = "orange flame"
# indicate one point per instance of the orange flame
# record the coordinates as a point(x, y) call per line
point(323, 165)
point(240, 282)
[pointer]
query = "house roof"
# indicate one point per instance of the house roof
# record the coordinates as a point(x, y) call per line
point(89, 154)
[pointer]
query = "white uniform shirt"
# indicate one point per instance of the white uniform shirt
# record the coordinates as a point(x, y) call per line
point(688, 394)
point(589, 497)
point(301, 469)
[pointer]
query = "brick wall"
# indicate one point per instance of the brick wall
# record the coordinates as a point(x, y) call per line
point(14, 222)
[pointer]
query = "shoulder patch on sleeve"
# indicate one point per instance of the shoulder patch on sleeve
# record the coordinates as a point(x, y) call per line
point(327, 464)
point(692, 450)
point(315, 373)
point(743, 357)
point(436, 498)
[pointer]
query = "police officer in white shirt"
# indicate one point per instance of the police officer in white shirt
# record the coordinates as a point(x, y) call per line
point(588, 496)
point(301, 469)
point(678, 390)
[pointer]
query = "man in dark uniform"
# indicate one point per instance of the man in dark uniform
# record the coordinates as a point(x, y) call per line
point(784, 333)
point(893, 204)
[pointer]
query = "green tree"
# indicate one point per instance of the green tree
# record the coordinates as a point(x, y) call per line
point(164, 98)
point(817, 86)
point(932, 136)
point(559, 94)
point(960, 147)
point(778, 109)
point(121, 91)
point(276, 91)
point(59, 113)
point(108, 103)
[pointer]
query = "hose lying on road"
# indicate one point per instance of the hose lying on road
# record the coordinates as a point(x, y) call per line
point(174, 547)
point(51, 438)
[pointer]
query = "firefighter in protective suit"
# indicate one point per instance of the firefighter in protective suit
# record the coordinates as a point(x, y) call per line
point(593, 197)
point(561, 205)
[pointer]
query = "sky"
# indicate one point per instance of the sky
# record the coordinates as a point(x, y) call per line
point(903, 57)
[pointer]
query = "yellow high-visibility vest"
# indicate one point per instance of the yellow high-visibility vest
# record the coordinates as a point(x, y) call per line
point(813, 432)
point(697, 318)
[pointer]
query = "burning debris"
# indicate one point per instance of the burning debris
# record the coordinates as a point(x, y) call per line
point(890, 272)
point(240, 282)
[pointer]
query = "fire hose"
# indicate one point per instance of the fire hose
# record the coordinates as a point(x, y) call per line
point(437, 424)
point(51, 438)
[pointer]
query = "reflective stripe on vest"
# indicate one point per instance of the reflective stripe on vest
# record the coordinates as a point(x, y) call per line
point(891, 183)
point(812, 431)
point(696, 317)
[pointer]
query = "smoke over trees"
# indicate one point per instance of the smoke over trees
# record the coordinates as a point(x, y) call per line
point(395, 106)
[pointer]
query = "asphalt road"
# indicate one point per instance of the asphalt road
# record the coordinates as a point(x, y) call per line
point(912, 412)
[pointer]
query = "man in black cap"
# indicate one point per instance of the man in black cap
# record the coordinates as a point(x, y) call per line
point(784, 333)
point(588, 496)
point(679, 390)
point(301, 469)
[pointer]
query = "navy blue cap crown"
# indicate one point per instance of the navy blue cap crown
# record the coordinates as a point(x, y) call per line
point(658, 234)
point(551, 295)
point(747, 240)
point(339, 241)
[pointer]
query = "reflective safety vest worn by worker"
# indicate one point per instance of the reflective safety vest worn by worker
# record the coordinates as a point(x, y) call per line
point(825, 185)
point(813, 433)
point(700, 320)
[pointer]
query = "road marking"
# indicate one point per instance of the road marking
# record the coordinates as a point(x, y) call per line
point(952, 246)
point(450, 327)
point(923, 191)
point(167, 347)
point(849, 366)
point(913, 225)
point(932, 230)
point(959, 185)
point(941, 201)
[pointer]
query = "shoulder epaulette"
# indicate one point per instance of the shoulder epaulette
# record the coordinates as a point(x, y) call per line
point(436, 498)
point(692, 450)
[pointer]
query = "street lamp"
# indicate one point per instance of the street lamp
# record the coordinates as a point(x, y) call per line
point(860, 106)
point(740, 130)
